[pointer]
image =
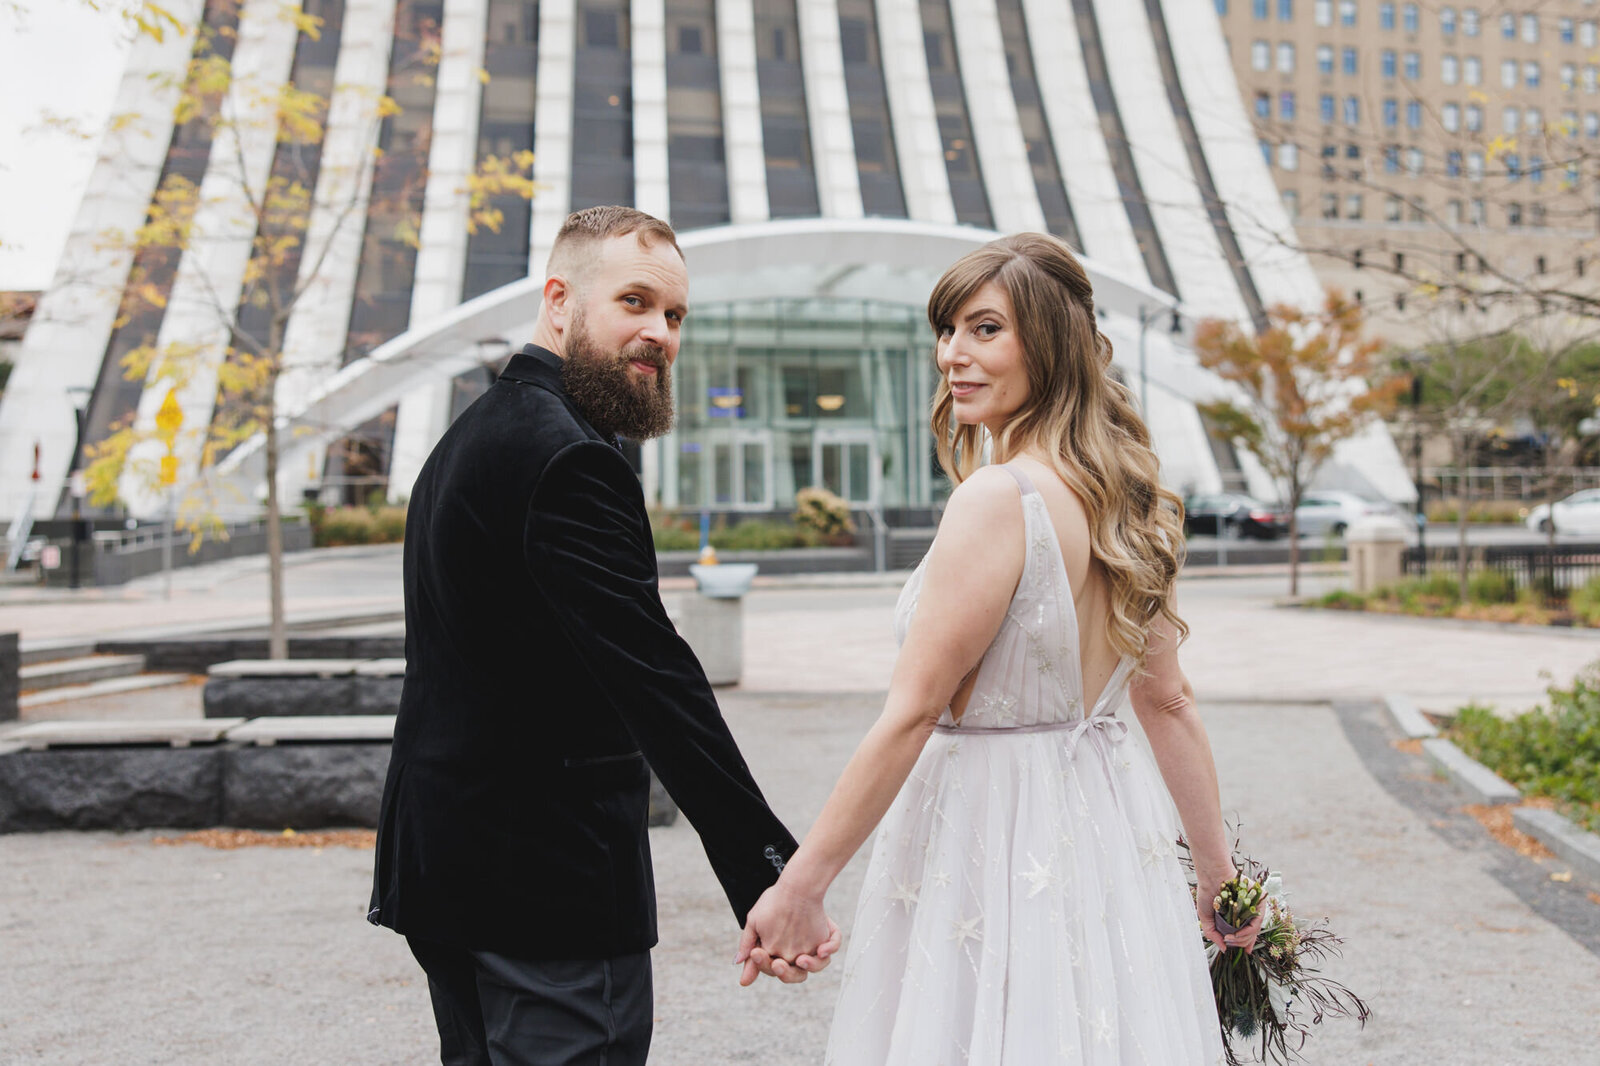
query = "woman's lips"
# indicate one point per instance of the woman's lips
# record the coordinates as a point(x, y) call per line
point(964, 389)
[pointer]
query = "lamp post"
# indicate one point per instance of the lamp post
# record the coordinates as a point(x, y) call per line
point(1421, 515)
point(76, 487)
point(1147, 318)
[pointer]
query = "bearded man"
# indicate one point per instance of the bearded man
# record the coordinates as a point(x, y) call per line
point(544, 681)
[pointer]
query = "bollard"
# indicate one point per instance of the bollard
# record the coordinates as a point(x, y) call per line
point(10, 677)
point(1376, 547)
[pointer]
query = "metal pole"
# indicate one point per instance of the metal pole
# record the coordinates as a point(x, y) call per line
point(1144, 378)
point(166, 542)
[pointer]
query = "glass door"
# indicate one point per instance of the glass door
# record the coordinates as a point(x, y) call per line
point(845, 462)
point(741, 468)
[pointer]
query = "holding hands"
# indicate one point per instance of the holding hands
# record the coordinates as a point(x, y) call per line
point(786, 935)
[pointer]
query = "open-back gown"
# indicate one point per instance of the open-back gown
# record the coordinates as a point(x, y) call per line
point(1024, 904)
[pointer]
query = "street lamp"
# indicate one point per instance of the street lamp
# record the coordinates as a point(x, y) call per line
point(1148, 318)
point(79, 395)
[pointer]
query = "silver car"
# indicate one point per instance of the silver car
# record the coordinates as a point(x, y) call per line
point(1320, 513)
point(1578, 513)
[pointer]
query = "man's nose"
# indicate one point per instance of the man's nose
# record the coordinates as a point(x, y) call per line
point(655, 331)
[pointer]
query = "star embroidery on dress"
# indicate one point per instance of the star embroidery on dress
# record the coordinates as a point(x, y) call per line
point(1039, 878)
point(953, 750)
point(966, 929)
point(1101, 1026)
point(942, 879)
point(905, 894)
point(1000, 706)
point(1155, 848)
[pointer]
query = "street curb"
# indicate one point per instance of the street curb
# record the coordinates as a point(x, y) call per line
point(1470, 776)
point(1572, 844)
point(1412, 722)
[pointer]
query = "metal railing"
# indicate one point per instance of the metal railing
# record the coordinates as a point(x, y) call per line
point(1532, 484)
point(1565, 566)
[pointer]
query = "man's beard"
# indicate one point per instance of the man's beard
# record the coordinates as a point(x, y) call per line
point(609, 393)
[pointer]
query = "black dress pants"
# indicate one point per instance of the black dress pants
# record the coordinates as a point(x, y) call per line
point(493, 1010)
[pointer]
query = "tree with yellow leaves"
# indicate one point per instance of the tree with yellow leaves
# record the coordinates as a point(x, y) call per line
point(1298, 388)
point(290, 195)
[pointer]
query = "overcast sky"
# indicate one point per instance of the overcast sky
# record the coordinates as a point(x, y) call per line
point(56, 57)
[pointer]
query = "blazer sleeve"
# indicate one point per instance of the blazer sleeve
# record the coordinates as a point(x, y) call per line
point(588, 550)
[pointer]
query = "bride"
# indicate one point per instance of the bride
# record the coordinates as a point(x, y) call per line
point(1024, 903)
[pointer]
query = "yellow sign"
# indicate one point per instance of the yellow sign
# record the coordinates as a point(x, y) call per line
point(170, 417)
point(169, 470)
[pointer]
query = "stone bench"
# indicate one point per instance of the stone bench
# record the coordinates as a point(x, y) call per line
point(305, 772)
point(260, 688)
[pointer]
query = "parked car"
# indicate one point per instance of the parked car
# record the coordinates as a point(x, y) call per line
point(1236, 513)
point(1578, 513)
point(1335, 512)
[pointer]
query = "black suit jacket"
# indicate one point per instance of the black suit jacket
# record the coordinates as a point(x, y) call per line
point(542, 673)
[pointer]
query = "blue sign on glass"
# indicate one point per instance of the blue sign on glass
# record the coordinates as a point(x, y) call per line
point(726, 402)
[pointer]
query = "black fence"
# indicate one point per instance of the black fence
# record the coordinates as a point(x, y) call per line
point(1565, 566)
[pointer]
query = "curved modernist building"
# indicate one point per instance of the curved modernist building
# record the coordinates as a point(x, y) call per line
point(823, 160)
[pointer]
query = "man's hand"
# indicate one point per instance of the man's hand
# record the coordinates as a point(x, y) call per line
point(786, 936)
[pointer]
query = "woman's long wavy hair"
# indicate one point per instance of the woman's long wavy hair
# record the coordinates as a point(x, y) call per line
point(1080, 416)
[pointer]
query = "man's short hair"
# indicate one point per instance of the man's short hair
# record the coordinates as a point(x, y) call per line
point(584, 229)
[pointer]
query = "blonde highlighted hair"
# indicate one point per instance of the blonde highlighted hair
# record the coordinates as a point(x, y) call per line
point(1082, 418)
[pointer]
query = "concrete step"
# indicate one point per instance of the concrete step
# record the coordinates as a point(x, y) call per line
point(46, 651)
point(109, 687)
point(80, 671)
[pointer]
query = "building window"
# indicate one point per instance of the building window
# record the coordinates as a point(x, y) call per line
point(1479, 215)
point(1535, 170)
point(1324, 59)
point(1472, 70)
point(1260, 55)
point(1330, 205)
point(1530, 74)
point(1291, 204)
point(1565, 27)
point(1447, 21)
point(1352, 111)
point(1348, 60)
point(1530, 29)
point(1414, 114)
point(1352, 207)
point(1288, 156)
point(1386, 62)
point(1449, 69)
point(1414, 161)
point(1508, 26)
point(967, 190)
point(1510, 120)
point(1285, 57)
point(1508, 74)
point(1513, 214)
point(1286, 105)
point(1469, 21)
point(1569, 76)
point(1222, 7)
point(1589, 78)
point(1322, 12)
point(1452, 164)
point(1408, 18)
point(1450, 118)
point(1352, 150)
point(1285, 10)
point(1391, 113)
point(1413, 66)
point(1533, 120)
point(1347, 12)
point(1391, 159)
point(1536, 218)
point(785, 134)
point(1326, 108)
point(1474, 118)
point(1513, 166)
point(1386, 16)
point(1263, 105)
point(1266, 151)
point(1452, 214)
point(1591, 125)
point(1392, 210)
point(1042, 155)
point(1586, 33)
point(1569, 123)
point(1258, 8)
point(1475, 166)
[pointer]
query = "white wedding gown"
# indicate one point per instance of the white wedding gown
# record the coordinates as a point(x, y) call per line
point(1024, 904)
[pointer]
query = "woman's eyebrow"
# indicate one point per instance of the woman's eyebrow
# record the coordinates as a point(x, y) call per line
point(983, 312)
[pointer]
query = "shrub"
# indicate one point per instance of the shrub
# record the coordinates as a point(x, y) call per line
point(1497, 512)
point(340, 526)
point(1491, 586)
point(758, 535)
point(673, 533)
point(1344, 600)
point(823, 513)
point(1585, 602)
point(1552, 751)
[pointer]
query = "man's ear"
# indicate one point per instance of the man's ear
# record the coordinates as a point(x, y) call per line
point(559, 302)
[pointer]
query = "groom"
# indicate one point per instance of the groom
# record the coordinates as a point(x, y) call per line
point(544, 680)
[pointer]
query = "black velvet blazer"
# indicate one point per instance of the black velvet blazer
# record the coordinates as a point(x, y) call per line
point(542, 673)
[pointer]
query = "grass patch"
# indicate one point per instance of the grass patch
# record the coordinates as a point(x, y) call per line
point(1492, 596)
point(1551, 751)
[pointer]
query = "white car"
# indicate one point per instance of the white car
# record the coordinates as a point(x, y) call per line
point(1320, 513)
point(1578, 513)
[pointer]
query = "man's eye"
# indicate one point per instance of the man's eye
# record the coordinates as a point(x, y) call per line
point(633, 301)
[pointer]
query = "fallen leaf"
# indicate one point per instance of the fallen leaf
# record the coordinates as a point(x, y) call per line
point(1564, 876)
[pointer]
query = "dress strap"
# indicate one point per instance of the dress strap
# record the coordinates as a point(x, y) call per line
point(1023, 481)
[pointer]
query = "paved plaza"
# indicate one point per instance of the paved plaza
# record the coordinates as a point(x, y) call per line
point(118, 949)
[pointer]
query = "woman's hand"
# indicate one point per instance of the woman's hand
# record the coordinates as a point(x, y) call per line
point(1203, 904)
point(787, 935)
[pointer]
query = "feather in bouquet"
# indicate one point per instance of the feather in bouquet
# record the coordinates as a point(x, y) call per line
point(1274, 994)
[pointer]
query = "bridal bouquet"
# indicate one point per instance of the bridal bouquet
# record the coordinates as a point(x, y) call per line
point(1276, 993)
